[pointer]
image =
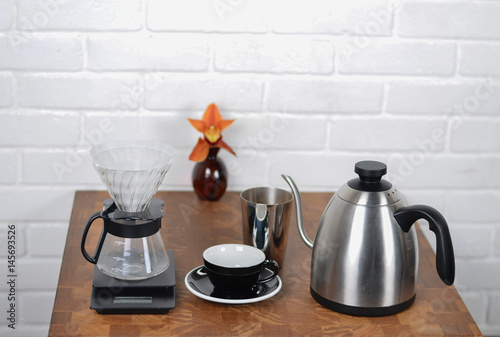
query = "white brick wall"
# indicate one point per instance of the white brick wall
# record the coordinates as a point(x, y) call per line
point(207, 16)
point(43, 54)
point(279, 54)
point(177, 92)
point(473, 20)
point(6, 90)
point(22, 128)
point(74, 16)
point(388, 57)
point(149, 52)
point(314, 87)
point(324, 96)
point(78, 91)
point(480, 59)
point(431, 97)
point(6, 14)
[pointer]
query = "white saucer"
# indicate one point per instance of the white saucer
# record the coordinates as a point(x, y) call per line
point(198, 284)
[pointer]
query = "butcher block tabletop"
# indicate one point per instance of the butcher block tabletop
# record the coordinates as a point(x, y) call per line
point(189, 226)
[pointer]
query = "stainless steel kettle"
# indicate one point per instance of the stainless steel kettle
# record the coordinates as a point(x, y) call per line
point(365, 254)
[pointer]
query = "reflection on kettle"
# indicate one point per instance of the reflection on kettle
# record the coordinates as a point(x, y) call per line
point(365, 254)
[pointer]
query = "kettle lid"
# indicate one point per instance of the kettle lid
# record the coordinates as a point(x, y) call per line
point(369, 188)
point(370, 177)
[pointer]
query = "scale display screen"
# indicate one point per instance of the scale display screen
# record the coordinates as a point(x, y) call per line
point(132, 299)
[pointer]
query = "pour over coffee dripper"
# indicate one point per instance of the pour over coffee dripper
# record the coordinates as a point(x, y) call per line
point(130, 246)
point(132, 171)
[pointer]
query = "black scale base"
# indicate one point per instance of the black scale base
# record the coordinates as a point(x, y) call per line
point(155, 295)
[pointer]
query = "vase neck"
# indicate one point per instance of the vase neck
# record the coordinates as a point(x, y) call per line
point(212, 153)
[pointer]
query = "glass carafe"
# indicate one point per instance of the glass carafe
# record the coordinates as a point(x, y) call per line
point(133, 258)
point(130, 246)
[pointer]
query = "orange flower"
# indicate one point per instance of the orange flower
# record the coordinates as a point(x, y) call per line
point(211, 125)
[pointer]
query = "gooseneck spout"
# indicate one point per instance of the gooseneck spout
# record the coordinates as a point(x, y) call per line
point(298, 209)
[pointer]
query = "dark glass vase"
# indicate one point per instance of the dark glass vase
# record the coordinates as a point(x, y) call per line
point(210, 177)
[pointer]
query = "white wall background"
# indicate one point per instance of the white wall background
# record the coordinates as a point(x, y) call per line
point(314, 86)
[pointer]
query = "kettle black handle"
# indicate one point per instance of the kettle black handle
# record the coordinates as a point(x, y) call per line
point(445, 258)
point(92, 259)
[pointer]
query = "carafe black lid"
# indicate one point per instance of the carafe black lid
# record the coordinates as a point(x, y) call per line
point(370, 177)
point(132, 225)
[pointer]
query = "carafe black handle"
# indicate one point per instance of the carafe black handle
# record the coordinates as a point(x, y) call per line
point(445, 258)
point(92, 259)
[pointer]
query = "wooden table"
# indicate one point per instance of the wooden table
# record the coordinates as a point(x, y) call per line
point(189, 227)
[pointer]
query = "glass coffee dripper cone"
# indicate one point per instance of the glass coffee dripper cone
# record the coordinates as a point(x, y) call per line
point(132, 171)
point(130, 246)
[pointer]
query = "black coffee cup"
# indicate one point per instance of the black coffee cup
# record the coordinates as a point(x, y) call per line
point(236, 268)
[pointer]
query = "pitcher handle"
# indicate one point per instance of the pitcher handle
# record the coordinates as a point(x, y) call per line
point(92, 259)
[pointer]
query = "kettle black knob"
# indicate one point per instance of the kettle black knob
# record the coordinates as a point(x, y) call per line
point(370, 171)
point(370, 177)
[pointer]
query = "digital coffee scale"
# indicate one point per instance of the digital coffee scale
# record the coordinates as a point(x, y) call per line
point(150, 296)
